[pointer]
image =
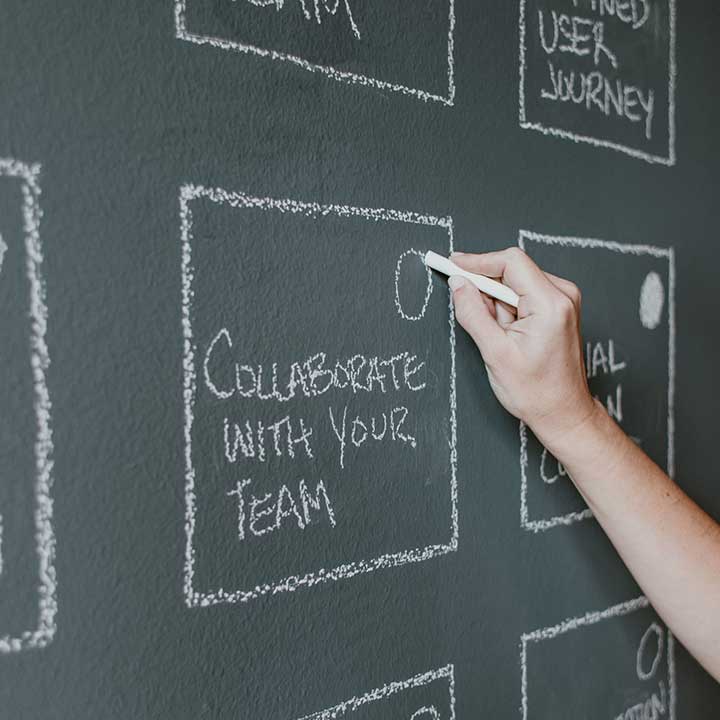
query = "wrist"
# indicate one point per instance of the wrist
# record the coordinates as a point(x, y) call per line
point(579, 437)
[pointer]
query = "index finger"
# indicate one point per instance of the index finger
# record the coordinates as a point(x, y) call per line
point(512, 266)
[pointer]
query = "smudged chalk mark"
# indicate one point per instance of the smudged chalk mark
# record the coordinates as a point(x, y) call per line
point(3, 250)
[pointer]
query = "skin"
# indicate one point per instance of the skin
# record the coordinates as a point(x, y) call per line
point(535, 366)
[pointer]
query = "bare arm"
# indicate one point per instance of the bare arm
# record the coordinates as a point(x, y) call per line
point(535, 367)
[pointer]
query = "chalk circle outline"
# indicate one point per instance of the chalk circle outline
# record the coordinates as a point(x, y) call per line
point(657, 630)
point(430, 711)
point(652, 300)
point(428, 289)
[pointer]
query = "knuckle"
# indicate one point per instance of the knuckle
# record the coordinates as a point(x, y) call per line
point(565, 308)
point(515, 253)
point(575, 294)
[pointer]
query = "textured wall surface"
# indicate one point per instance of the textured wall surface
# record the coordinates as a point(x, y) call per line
point(249, 467)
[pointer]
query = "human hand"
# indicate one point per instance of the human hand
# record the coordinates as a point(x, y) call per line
point(534, 358)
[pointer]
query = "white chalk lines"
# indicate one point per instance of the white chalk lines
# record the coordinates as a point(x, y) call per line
point(198, 38)
point(3, 250)
point(583, 36)
point(444, 674)
point(662, 704)
point(195, 597)
point(38, 364)
point(649, 313)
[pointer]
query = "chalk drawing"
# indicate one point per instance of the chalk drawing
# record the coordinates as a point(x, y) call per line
point(654, 629)
point(197, 598)
point(44, 631)
point(592, 618)
point(652, 300)
point(426, 711)
point(356, 374)
point(3, 250)
point(446, 674)
point(317, 15)
point(526, 236)
point(526, 124)
point(428, 288)
point(182, 33)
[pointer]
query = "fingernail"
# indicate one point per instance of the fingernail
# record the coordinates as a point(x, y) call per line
point(456, 252)
point(456, 282)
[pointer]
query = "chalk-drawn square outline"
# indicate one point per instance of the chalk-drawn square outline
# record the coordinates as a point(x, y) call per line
point(339, 710)
point(193, 598)
point(43, 447)
point(182, 33)
point(654, 251)
point(599, 142)
point(591, 618)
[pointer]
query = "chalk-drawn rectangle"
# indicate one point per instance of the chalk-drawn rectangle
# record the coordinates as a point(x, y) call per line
point(320, 428)
point(391, 45)
point(610, 665)
point(428, 696)
point(28, 593)
point(629, 342)
point(602, 73)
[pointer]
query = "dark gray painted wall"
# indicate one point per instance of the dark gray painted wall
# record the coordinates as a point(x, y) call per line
point(121, 116)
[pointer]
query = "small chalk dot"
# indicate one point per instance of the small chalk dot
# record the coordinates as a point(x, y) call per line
point(652, 300)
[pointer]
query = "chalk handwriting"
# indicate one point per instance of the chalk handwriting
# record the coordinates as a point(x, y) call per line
point(599, 361)
point(631, 12)
point(583, 56)
point(311, 377)
point(317, 9)
point(374, 428)
point(268, 420)
point(596, 91)
point(547, 476)
point(281, 438)
point(266, 513)
point(653, 708)
point(577, 35)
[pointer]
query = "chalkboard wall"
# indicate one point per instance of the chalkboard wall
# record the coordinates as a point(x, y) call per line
point(249, 465)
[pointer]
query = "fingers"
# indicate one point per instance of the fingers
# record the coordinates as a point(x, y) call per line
point(571, 291)
point(567, 288)
point(505, 314)
point(512, 266)
point(490, 303)
point(474, 314)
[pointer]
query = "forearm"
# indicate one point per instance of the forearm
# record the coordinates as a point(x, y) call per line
point(668, 543)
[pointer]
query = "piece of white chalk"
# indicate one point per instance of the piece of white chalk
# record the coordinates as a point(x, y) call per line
point(490, 287)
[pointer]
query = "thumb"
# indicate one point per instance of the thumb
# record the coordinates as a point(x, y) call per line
point(475, 317)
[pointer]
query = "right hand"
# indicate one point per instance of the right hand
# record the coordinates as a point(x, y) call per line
point(534, 359)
